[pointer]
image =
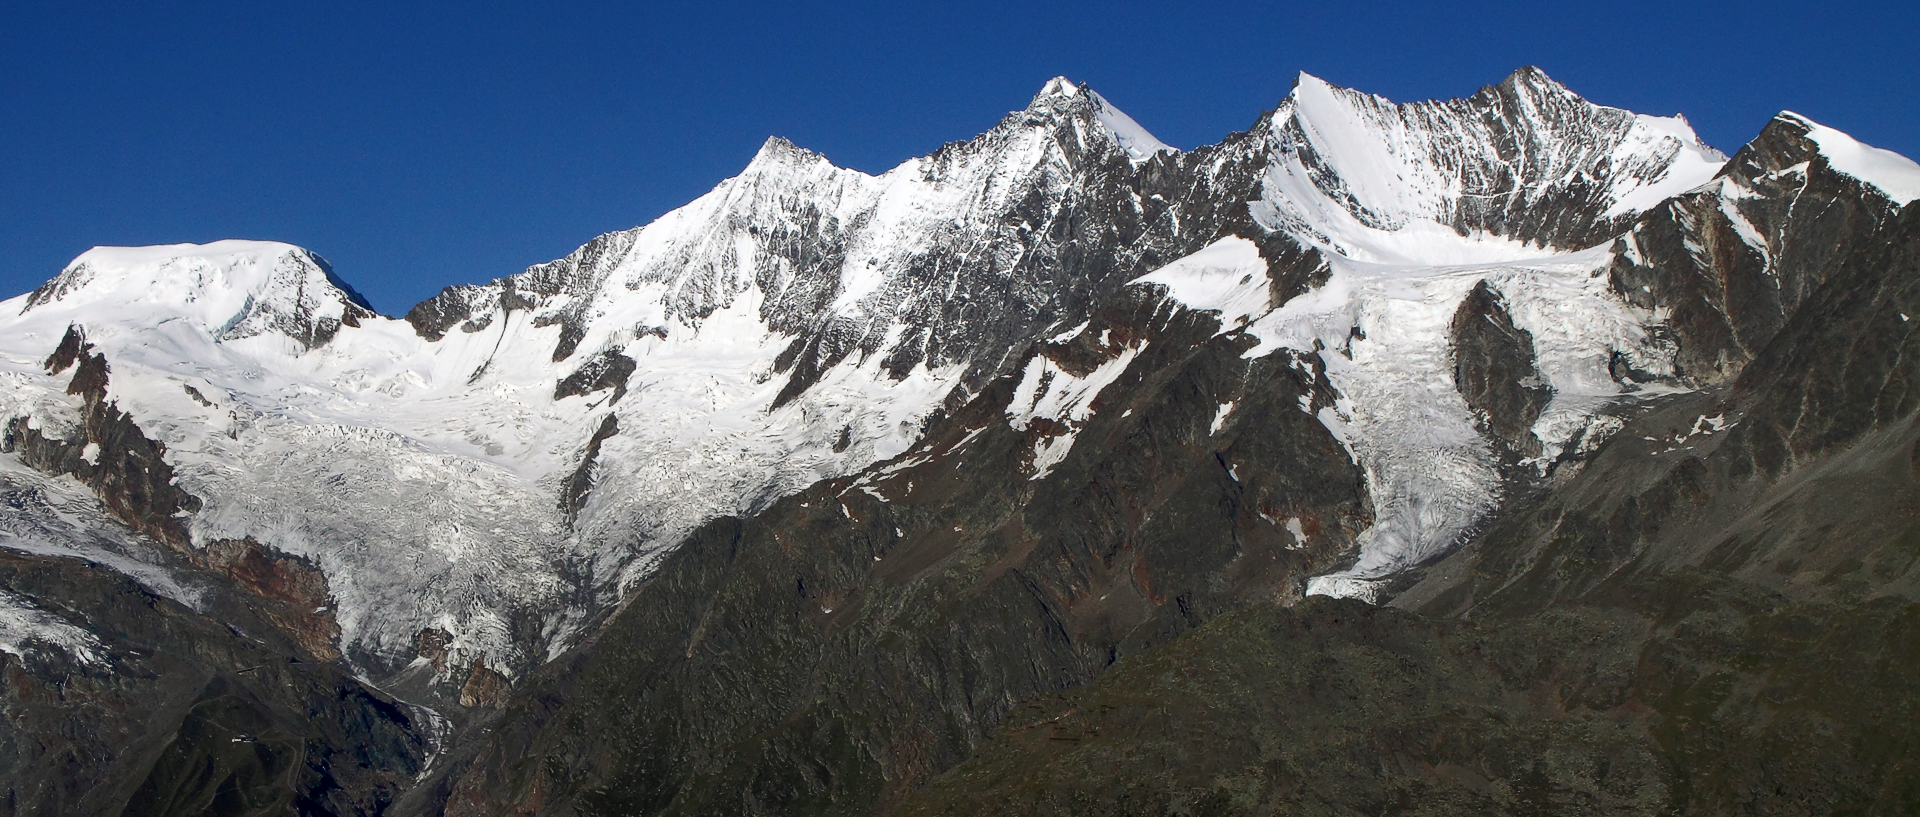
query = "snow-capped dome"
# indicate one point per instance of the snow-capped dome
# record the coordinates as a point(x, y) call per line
point(229, 289)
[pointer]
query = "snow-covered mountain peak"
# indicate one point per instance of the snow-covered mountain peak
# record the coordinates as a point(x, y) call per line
point(778, 152)
point(1529, 80)
point(1056, 88)
point(228, 289)
point(1063, 105)
point(1891, 173)
point(1518, 167)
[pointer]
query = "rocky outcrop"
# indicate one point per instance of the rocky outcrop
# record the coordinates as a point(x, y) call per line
point(293, 589)
point(574, 490)
point(1493, 366)
point(607, 370)
point(484, 687)
point(128, 471)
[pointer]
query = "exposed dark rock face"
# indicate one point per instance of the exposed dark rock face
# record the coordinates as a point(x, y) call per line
point(125, 469)
point(293, 591)
point(301, 321)
point(607, 370)
point(573, 492)
point(471, 308)
point(873, 629)
point(187, 713)
point(1493, 366)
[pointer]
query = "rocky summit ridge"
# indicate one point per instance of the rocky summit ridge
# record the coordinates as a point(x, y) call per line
point(822, 492)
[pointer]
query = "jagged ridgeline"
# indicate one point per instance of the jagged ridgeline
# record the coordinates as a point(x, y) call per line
point(1505, 454)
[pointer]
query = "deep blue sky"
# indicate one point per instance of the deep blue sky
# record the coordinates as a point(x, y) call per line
point(458, 142)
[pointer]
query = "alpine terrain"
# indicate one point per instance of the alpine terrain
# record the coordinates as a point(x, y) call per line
point(1509, 454)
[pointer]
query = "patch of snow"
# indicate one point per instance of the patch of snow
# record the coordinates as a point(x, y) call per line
point(1047, 391)
point(1299, 532)
point(1227, 276)
point(1220, 417)
point(22, 626)
point(1070, 334)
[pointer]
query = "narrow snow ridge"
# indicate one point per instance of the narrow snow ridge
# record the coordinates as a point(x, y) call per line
point(1134, 139)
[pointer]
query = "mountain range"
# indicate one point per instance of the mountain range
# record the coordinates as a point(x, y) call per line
point(1507, 454)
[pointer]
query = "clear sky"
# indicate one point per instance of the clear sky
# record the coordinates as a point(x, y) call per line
point(417, 145)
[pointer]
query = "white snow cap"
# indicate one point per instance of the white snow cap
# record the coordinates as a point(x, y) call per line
point(1893, 174)
point(1361, 176)
point(228, 288)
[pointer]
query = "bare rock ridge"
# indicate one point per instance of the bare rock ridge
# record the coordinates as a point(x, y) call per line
point(1010, 478)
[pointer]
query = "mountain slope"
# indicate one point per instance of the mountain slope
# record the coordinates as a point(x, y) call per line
point(1715, 615)
point(801, 732)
